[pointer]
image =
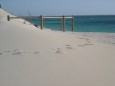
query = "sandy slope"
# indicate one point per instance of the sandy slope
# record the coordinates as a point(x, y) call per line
point(31, 57)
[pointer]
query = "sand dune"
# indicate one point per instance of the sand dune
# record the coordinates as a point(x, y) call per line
point(33, 57)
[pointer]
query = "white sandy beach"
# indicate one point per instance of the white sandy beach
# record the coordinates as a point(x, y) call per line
point(33, 57)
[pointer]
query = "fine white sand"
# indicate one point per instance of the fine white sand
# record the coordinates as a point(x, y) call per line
point(33, 57)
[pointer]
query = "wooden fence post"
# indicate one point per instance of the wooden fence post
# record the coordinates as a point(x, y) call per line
point(72, 23)
point(63, 23)
point(8, 17)
point(44, 22)
point(41, 22)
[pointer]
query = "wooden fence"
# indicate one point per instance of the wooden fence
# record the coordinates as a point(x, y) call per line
point(62, 20)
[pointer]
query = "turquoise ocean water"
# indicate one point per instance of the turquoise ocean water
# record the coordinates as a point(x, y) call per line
point(82, 23)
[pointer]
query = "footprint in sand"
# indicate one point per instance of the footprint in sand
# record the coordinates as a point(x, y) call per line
point(7, 51)
point(80, 37)
point(59, 51)
point(84, 35)
point(87, 39)
point(113, 43)
point(16, 52)
point(1, 53)
point(69, 47)
point(36, 52)
point(83, 45)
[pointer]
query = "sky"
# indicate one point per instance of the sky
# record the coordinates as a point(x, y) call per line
point(59, 7)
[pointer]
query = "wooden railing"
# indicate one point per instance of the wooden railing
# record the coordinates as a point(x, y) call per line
point(62, 20)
